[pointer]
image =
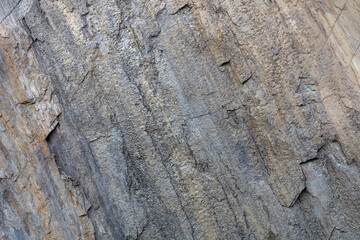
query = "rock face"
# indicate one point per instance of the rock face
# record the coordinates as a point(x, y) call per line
point(179, 119)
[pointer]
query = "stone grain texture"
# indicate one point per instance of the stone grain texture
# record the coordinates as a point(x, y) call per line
point(168, 119)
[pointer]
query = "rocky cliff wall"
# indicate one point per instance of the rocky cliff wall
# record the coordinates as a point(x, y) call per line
point(179, 119)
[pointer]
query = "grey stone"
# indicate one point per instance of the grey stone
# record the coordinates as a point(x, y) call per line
point(190, 119)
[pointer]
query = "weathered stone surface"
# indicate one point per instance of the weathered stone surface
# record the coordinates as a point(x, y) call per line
point(191, 119)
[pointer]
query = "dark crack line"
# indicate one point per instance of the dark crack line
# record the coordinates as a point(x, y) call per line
point(297, 197)
point(12, 10)
point(328, 36)
point(332, 232)
point(333, 26)
point(185, 6)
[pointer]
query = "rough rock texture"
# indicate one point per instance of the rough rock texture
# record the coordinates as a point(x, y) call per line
point(179, 119)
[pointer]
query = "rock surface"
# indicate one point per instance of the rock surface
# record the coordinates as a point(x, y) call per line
point(190, 119)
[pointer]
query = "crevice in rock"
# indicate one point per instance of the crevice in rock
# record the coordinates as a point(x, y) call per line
point(226, 63)
point(310, 160)
point(4, 150)
point(181, 9)
point(11, 11)
point(54, 141)
point(297, 197)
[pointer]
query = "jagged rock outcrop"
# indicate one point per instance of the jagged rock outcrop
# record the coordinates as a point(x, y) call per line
point(179, 119)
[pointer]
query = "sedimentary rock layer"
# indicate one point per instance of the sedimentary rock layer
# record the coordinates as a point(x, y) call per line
point(179, 119)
